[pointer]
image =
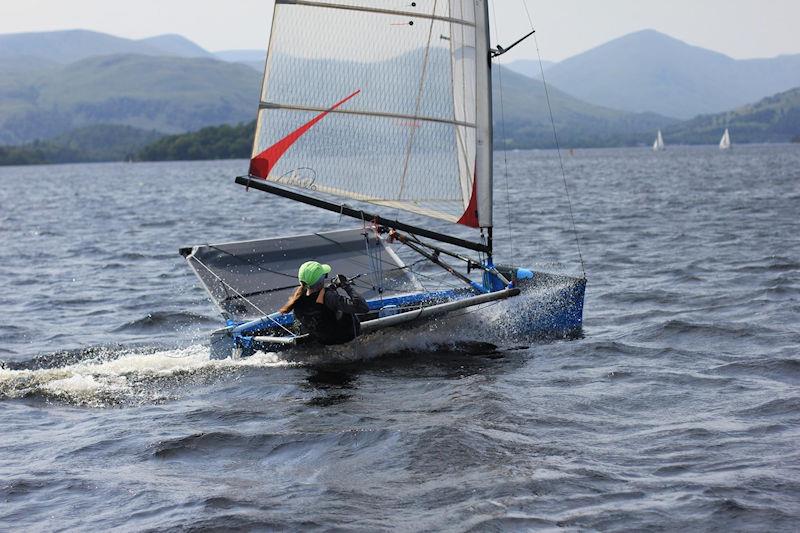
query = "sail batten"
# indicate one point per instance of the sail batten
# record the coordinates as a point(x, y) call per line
point(272, 105)
point(416, 135)
point(365, 9)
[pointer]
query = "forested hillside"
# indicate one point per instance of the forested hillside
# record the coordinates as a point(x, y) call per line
point(773, 119)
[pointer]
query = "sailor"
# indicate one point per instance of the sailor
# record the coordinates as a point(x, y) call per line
point(328, 316)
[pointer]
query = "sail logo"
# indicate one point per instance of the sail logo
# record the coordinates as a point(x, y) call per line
point(302, 177)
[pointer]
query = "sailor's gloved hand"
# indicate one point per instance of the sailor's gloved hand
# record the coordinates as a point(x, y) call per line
point(341, 281)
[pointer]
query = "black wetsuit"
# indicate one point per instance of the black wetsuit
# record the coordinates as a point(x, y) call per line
point(332, 322)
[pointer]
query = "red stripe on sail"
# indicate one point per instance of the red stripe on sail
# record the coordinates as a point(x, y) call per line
point(261, 164)
point(470, 216)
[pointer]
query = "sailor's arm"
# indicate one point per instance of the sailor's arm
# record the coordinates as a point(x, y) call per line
point(353, 303)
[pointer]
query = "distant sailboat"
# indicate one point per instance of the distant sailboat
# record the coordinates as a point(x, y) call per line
point(658, 145)
point(725, 142)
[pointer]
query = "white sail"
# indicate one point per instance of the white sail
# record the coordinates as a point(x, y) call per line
point(658, 145)
point(383, 101)
point(725, 142)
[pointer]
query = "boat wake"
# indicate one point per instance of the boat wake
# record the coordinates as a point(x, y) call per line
point(118, 376)
point(99, 377)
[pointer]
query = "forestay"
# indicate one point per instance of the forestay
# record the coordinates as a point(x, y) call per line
point(250, 279)
point(382, 101)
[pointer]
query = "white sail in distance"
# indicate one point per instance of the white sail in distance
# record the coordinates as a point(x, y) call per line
point(725, 142)
point(382, 101)
point(658, 145)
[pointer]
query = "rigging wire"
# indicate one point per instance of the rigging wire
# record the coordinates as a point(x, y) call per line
point(244, 298)
point(376, 264)
point(555, 138)
point(505, 148)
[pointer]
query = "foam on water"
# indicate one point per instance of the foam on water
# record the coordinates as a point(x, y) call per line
point(105, 377)
point(124, 377)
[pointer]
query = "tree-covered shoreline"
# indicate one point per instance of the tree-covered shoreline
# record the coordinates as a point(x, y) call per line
point(90, 144)
point(214, 142)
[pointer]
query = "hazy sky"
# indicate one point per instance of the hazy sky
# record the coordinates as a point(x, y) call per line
point(738, 28)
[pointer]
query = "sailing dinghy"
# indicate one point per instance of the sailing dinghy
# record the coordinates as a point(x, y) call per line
point(387, 105)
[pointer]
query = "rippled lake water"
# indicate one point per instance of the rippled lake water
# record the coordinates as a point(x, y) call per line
point(679, 409)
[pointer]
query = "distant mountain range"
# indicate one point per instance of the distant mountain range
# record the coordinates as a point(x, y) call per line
point(74, 45)
point(65, 80)
point(650, 71)
point(57, 82)
point(522, 108)
point(68, 46)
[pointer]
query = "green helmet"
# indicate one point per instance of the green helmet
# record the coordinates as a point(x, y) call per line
point(311, 272)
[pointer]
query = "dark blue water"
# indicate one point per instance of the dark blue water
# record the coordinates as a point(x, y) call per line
point(679, 409)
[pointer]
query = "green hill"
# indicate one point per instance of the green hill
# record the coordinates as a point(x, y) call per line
point(167, 94)
point(773, 119)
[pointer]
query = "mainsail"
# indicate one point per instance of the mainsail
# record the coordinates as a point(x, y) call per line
point(658, 145)
point(382, 101)
point(725, 142)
